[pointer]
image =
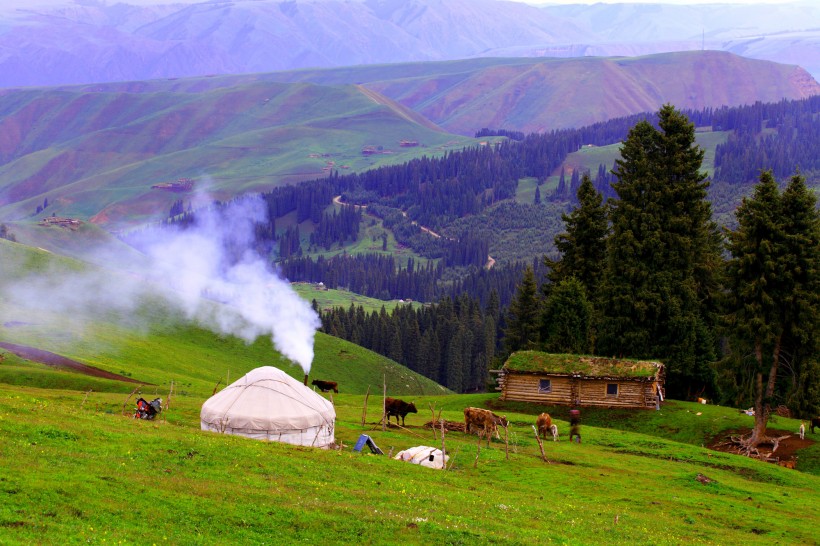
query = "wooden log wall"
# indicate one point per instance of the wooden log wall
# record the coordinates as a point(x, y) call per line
point(591, 392)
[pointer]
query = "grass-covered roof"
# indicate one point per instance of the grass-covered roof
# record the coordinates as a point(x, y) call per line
point(590, 366)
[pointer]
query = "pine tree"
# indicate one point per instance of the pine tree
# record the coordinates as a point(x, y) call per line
point(567, 319)
point(774, 285)
point(802, 231)
point(663, 255)
point(523, 316)
point(583, 245)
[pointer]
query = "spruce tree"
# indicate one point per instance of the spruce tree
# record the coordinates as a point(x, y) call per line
point(663, 255)
point(523, 316)
point(567, 319)
point(583, 244)
point(773, 284)
point(802, 231)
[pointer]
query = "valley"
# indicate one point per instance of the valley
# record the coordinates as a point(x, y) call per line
point(478, 215)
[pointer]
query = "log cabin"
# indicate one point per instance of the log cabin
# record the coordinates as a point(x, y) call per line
point(578, 380)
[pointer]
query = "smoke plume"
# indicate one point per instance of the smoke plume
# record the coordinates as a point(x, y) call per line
point(209, 271)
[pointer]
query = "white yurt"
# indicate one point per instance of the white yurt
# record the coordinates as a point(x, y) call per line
point(268, 404)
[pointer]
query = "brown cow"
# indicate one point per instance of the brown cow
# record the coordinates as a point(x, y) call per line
point(325, 386)
point(544, 424)
point(399, 408)
point(484, 422)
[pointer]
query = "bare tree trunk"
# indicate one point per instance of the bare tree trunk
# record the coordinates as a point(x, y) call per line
point(763, 397)
point(759, 430)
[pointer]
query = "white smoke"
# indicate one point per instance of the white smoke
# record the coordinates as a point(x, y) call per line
point(208, 271)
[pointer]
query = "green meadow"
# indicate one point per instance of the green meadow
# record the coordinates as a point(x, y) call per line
point(248, 137)
point(77, 468)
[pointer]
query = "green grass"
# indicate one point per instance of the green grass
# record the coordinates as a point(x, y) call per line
point(157, 346)
point(81, 472)
point(589, 158)
point(537, 361)
point(241, 138)
point(329, 298)
point(78, 469)
point(525, 192)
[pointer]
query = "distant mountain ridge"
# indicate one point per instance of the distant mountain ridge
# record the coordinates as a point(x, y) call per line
point(100, 151)
point(96, 42)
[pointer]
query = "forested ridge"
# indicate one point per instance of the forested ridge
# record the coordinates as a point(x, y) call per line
point(663, 250)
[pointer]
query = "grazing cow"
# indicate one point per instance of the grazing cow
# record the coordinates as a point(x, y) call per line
point(544, 424)
point(484, 422)
point(325, 386)
point(815, 422)
point(399, 408)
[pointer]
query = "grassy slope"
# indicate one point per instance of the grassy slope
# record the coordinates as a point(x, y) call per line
point(77, 470)
point(342, 298)
point(95, 155)
point(156, 347)
point(552, 93)
point(588, 158)
point(81, 472)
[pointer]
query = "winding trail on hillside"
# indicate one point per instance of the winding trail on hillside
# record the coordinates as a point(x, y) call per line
point(58, 361)
point(338, 201)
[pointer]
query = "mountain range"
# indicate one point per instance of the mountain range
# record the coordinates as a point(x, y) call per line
point(50, 43)
point(107, 152)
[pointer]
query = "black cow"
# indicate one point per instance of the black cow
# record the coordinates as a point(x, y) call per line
point(815, 422)
point(325, 386)
point(399, 408)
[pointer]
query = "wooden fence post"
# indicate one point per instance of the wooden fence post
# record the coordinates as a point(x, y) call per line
point(364, 409)
point(384, 403)
point(540, 444)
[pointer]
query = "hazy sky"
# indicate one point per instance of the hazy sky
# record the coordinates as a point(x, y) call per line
point(678, 2)
point(25, 3)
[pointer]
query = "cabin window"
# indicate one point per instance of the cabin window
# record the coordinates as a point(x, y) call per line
point(545, 385)
point(612, 389)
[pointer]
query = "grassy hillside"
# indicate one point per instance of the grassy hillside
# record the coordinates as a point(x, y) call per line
point(203, 488)
point(95, 155)
point(155, 345)
point(538, 94)
point(327, 298)
point(79, 469)
point(589, 157)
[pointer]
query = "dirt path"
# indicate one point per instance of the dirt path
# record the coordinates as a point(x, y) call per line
point(57, 361)
point(338, 201)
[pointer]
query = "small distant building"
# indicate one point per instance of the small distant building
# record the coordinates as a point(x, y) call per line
point(577, 380)
point(67, 223)
point(408, 143)
point(181, 185)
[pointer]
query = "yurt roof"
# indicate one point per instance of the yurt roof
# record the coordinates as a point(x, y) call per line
point(268, 399)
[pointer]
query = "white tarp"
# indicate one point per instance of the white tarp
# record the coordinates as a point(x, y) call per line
point(268, 404)
point(423, 455)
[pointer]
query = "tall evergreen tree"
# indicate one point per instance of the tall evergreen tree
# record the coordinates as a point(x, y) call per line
point(567, 319)
point(583, 244)
point(662, 256)
point(774, 284)
point(802, 231)
point(523, 316)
